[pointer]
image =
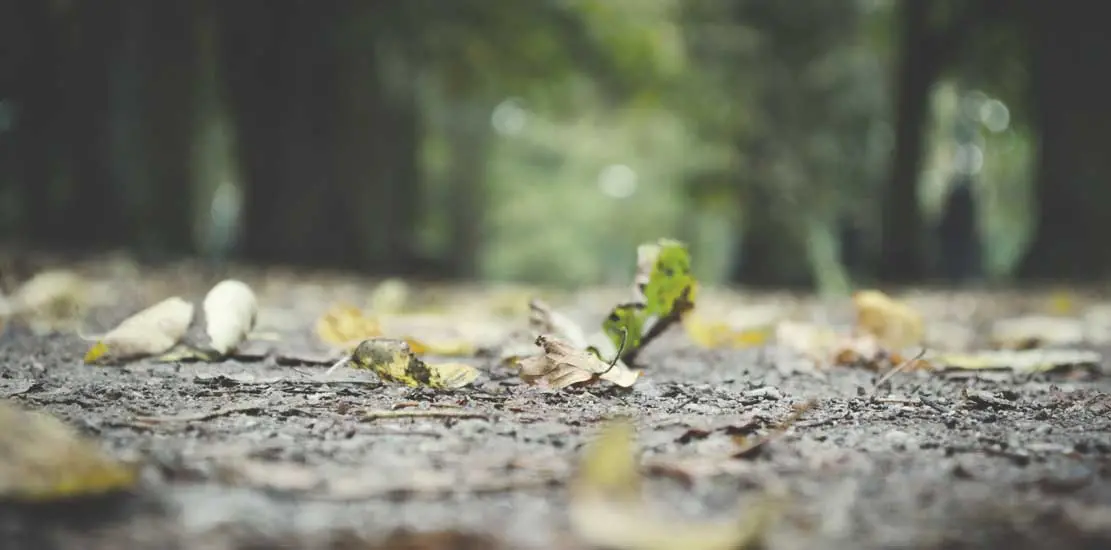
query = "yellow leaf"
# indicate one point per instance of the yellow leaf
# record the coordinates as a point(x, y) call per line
point(43, 459)
point(563, 365)
point(345, 326)
point(99, 349)
point(393, 361)
point(895, 324)
point(445, 348)
point(719, 334)
point(153, 331)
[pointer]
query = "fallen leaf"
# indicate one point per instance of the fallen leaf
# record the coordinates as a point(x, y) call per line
point(51, 300)
point(563, 365)
point(230, 310)
point(152, 331)
point(607, 509)
point(625, 325)
point(389, 297)
point(443, 348)
point(1020, 361)
point(664, 283)
point(43, 459)
point(393, 361)
point(545, 320)
point(720, 334)
point(895, 324)
point(345, 326)
point(1036, 331)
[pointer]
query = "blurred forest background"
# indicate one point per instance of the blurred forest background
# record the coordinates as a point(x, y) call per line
point(817, 143)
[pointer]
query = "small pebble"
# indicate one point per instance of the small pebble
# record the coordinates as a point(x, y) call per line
point(767, 392)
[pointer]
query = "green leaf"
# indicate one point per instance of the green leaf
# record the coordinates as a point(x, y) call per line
point(625, 325)
point(670, 285)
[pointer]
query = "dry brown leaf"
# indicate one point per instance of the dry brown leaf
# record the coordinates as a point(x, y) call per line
point(230, 310)
point(545, 320)
point(42, 459)
point(153, 331)
point(51, 300)
point(345, 326)
point(563, 365)
point(895, 324)
point(606, 508)
point(1037, 331)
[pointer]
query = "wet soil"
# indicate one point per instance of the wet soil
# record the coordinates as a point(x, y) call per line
point(269, 454)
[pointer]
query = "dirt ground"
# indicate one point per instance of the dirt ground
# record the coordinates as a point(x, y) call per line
point(266, 453)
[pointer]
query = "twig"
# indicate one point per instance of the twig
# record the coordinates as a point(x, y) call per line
point(897, 369)
point(426, 413)
point(255, 406)
point(617, 356)
point(654, 331)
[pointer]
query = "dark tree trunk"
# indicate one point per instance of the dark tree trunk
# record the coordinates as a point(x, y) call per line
point(1069, 45)
point(470, 136)
point(901, 256)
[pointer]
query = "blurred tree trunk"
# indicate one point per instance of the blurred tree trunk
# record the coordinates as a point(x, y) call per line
point(59, 90)
point(470, 136)
point(902, 251)
point(1072, 118)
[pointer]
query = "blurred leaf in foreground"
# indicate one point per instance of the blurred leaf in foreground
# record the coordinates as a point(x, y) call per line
point(43, 459)
point(607, 509)
point(393, 361)
point(152, 331)
point(230, 311)
point(563, 365)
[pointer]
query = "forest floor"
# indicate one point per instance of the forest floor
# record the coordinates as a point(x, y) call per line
point(268, 453)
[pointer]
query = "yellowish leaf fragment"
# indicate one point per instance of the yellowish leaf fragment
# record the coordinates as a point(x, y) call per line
point(345, 326)
point(1021, 361)
point(563, 365)
point(606, 509)
point(152, 331)
point(43, 459)
point(393, 361)
point(1037, 331)
point(719, 334)
point(895, 324)
point(443, 348)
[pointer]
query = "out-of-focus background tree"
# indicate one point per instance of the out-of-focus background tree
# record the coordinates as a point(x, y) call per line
point(813, 143)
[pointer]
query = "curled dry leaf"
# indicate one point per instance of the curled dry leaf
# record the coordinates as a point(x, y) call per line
point(545, 320)
point(393, 361)
point(563, 365)
point(230, 310)
point(51, 300)
point(894, 323)
point(43, 459)
point(153, 331)
point(607, 510)
point(345, 326)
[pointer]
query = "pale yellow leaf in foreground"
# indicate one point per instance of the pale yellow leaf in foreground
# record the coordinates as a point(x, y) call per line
point(563, 365)
point(230, 311)
point(895, 324)
point(345, 326)
point(152, 331)
point(42, 459)
point(606, 508)
point(443, 348)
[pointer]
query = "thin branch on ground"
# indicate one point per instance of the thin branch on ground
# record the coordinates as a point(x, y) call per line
point(897, 369)
point(427, 413)
point(255, 406)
